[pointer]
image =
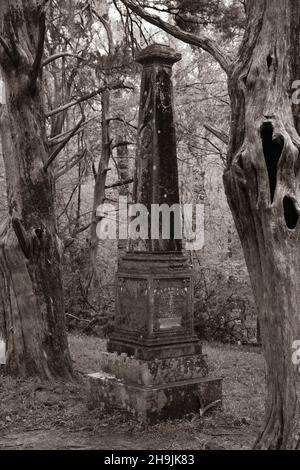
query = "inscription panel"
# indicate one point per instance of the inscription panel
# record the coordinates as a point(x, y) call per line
point(171, 304)
point(133, 304)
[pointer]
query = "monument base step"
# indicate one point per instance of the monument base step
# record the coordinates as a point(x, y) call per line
point(156, 372)
point(155, 402)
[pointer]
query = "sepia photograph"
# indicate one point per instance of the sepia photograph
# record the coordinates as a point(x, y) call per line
point(149, 229)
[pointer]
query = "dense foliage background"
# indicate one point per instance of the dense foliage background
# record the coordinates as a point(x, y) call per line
point(101, 40)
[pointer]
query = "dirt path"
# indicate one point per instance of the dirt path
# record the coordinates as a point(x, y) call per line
point(193, 439)
point(62, 440)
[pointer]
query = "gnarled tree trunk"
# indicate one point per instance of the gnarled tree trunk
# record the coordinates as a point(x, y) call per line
point(262, 186)
point(31, 292)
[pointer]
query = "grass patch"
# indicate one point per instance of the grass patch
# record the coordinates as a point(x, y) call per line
point(38, 415)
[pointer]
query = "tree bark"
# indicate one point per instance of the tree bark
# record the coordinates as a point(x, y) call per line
point(99, 189)
point(100, 178)
point(31, 291)
point(262, 188)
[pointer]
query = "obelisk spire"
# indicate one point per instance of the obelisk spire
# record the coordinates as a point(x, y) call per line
point(156, 166)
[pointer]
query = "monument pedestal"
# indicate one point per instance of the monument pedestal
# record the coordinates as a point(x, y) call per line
point(154, 390)
point(154, 307)
point(154, 366)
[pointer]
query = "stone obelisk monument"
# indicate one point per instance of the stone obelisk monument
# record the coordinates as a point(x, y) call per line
point(154, 365)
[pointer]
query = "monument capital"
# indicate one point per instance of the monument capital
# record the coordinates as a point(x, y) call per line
point(158, 53)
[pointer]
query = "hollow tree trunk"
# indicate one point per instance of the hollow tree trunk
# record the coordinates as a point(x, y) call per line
point(31, 292)
point(262, 186)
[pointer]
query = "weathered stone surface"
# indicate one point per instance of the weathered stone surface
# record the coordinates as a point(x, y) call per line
point(156, 163)
point(147, 351)
point(154, 403)
point(154, 307)
point(158, 53)
point(155, 372)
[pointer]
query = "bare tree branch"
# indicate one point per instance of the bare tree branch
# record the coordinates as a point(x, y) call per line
point(108, 31)
point(121, 144)
point(221, 135)
point(113, 86)
point(57, 139)
point(69, 200)
point(82, 229)
point(23, 239)
point(7, 50)
point(68, 167)
point(58, 56)
point(63, 144)
point(119, 183)
point(201, 40)
point(123, 121)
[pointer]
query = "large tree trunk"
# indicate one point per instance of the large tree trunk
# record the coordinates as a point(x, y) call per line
point(262, 187)
point(31, 292)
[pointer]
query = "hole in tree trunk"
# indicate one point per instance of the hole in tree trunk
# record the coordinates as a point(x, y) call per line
point(272, 150)
point(290, 213)
point(269, 61)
